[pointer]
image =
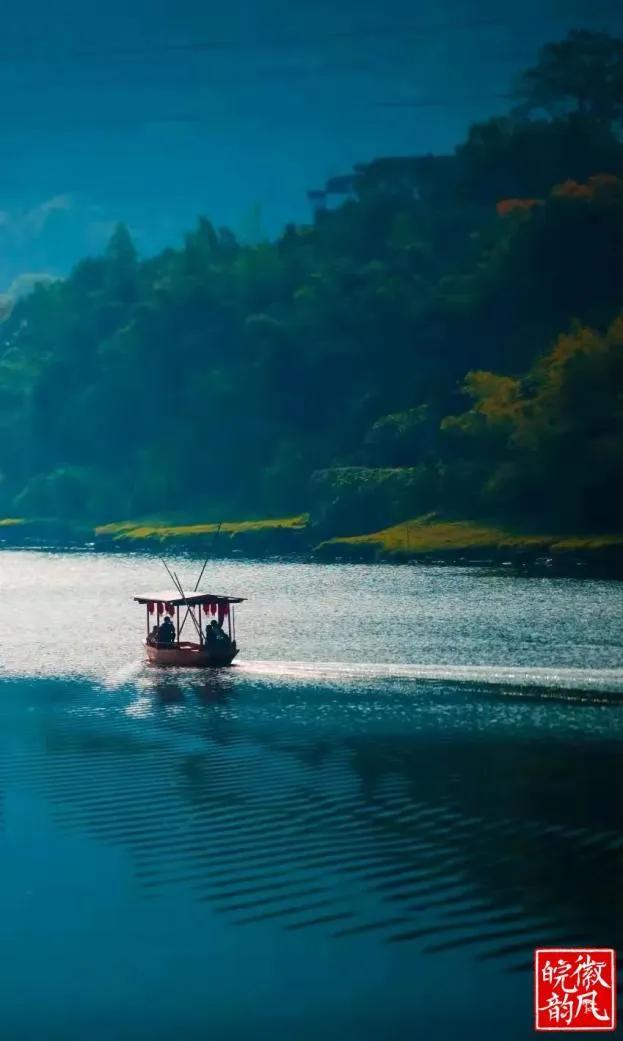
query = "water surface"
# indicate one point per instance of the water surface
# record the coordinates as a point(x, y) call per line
point(409, 782)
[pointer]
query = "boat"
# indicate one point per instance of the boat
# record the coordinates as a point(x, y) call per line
point(214, 646)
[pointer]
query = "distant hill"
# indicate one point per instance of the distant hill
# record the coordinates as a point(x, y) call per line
point(447, 337)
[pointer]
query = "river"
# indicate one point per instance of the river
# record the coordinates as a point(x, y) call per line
point(362, 830)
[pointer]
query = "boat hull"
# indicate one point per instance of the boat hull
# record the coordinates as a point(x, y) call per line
point(191, 656)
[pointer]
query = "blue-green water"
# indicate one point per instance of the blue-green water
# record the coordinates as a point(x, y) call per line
point(367, 847)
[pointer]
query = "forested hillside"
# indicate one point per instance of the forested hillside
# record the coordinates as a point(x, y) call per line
point(449, 338)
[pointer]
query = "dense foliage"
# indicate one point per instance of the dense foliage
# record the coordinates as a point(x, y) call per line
point(218, 378)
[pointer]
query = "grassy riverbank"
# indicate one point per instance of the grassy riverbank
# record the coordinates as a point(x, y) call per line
point(259, 537)
point(137, 531)
point(430, 537)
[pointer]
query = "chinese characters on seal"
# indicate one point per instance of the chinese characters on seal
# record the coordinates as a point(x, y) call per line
point(575, 988)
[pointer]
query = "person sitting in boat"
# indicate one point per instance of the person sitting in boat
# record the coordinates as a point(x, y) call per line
point(215, 634)
point(166, 633)
point(154, 636)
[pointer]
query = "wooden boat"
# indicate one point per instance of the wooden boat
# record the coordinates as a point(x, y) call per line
point(214, 647)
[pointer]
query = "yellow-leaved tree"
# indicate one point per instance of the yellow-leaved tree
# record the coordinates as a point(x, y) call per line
point(552, 442)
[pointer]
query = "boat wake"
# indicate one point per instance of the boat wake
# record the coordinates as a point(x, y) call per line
point(556, 679)
point(124, 674)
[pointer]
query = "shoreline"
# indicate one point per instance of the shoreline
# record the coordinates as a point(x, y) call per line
point(429, 540)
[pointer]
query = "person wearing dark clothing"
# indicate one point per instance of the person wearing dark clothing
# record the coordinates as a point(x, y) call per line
point(215, 636)
point(167, 631)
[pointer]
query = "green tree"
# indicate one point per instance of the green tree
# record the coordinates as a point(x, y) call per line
point(223, 373)
point(582, 73)
point(122, 265)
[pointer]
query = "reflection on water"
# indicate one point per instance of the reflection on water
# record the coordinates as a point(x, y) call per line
point(267, 838)
point(287, 849)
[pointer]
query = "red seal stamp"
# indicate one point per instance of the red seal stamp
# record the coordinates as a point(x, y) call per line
point(574, 988)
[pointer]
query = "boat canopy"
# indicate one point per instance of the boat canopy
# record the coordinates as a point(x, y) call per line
point(173, 599)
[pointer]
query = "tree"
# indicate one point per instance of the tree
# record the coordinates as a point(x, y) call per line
point(552, 442)
point(582, 73)
point(400, 439)
point(122, 261)
point(121, 250)
point(224, 373)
